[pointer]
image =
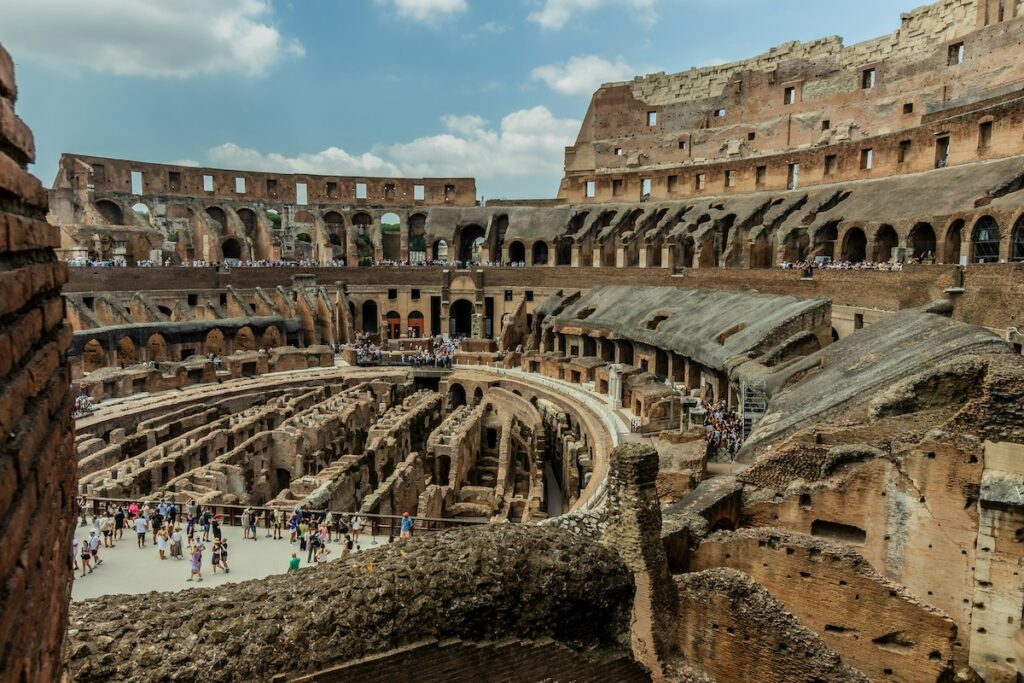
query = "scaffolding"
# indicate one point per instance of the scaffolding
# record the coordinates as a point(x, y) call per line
point(755, 405)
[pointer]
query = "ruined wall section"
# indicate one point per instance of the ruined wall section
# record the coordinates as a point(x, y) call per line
point(37, 458)
point(873, 623)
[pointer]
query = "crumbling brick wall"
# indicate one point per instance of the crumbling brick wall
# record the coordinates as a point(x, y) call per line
point(37, 463)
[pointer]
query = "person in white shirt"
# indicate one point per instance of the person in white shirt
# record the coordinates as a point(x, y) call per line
point(140, 530)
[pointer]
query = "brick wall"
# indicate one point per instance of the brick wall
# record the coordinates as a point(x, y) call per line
point(37, 463)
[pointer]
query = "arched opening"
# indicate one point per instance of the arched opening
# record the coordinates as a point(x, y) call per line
point(245, 340)
point(271, 338)
point(214, 342)
point(391, 236)
point(441, 251)
point(886, 240)
point(248, 219)
point(166, 311)
point(762, 250)
point(461, 318)
point(110, 211)
point(661, 364)
point(855, 246)
point(922, 241)
point(370, 316)
point(456, 396)
point(1017, 248)
point(218, 216)
point(274, 216)
point(478, 395)
point(985, 241)
point(334, 224)
point(685, 251)
point(416, 325)
point(302, 248)
point(517, 252)
point(417, 238)
point(142, 211)
point(625, 352)
point(93, 356)
point(825, 240)
point(361, 223)
point(471, 242)
point(563, 252)
point(954, 241)
point(796, 246)
point(125, 352)
point(231, 249)
point(540, 253)
point(156, 348)
point(393, 319)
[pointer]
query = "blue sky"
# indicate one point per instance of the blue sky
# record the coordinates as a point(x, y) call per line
point(487, 88)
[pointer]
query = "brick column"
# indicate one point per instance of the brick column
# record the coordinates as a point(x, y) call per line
point(38, 467)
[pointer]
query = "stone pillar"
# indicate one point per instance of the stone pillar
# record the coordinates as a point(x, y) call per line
point(620, 257)
point(40, 463)
point(634, 531)
point(615, 385)
point(643, 256)
point(596, 258)
point(577, 256)
point(666, 257)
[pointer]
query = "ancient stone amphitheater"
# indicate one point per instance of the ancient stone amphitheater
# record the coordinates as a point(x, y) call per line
point(824, 242)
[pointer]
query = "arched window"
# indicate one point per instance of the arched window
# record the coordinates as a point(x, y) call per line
point(886, 240)
point(855, 244)
point(540, 253)
point(1017, 248)
point(985, 241)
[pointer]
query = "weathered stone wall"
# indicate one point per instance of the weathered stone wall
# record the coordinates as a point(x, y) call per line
point(37, 460)
point(735, 630)
point(873, 623)
point(527, 582)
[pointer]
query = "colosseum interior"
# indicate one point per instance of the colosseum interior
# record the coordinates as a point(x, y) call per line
point(744, 402)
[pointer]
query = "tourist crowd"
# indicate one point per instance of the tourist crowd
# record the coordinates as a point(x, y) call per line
point(440, 355)
point(846, 265)
point(184, 531)
point(299, 263)
point(723, 431)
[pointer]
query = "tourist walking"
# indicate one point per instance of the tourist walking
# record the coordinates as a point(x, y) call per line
point(357, 527)
point(119, 523)
point(140, 531)
point(406, 529)
point(86, 557)
point(196, 559)
point(161, 543)
point(94, 548)
point(176, 542)
point(224, 555)
point(215, 556)
point(246, 515)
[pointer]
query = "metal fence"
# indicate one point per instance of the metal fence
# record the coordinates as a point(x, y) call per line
point(231, 515)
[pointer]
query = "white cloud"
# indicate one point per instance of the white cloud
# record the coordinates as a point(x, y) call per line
point(582, 75)
point(178, 38)
point(426, 11)
point(556, 13)
point(186, 162)
point(528, 143)
point(494, 27)
point(331, 161)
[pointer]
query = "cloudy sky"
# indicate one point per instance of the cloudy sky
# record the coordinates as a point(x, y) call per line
point(488, 88)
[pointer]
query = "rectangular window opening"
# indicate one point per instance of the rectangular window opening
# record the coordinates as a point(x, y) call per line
point(673, 183)
point(904, 151)
point(415, 295)
point(239, 185)
point(908, 108)
point(136, 182)
point(700, 181)
point(618, 151)
point(272, 187)
point(174, 180)
point(956, 54)
point(760, 175)
point(652, 118)
point(645, 188)
point(301, 194)
point(591, 189)
point(682, 144)
point(449, 192)
point(389, 191)
point(793, 177)
point(331, 188)
point(207, 183)
point(826, 124)
point(730, 178)
point(418, 193)
point(790, 96)
point(984, 134)
point(867, 79)
point(360, 190)
point(830, 164)
point(867, 159)
point(616, 187)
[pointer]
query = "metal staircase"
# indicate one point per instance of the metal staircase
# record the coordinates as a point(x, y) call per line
point(755, 405)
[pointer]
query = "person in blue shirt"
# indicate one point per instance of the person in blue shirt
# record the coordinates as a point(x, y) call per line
point(406, 526)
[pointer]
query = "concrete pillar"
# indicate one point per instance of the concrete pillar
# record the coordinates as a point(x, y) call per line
point(643, 257)
point(620, 257)
point(596, 259)
point(666, 257)
point(577, 256)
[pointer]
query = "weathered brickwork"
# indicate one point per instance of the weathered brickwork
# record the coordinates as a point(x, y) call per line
point(37, 462)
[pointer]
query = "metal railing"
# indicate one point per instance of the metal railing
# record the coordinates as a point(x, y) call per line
point(231, 515)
